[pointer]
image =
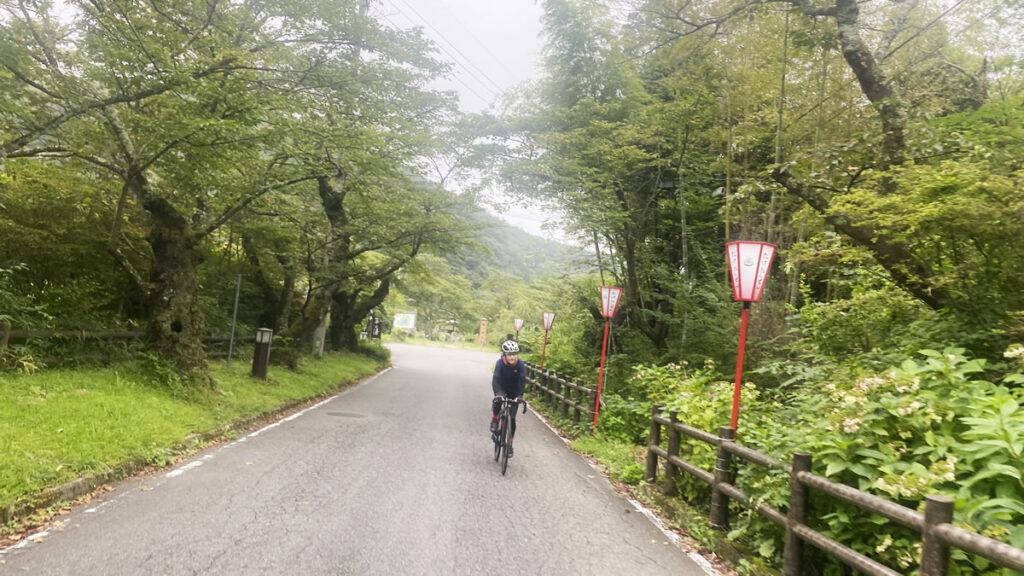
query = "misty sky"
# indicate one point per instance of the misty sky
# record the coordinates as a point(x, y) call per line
point(493, 44)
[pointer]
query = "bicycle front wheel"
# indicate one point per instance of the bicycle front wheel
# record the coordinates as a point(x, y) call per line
point(504, 448)
point(497, 442)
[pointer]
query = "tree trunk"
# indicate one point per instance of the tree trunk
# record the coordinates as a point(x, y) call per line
point(348, 310)
point(176, 324)
point(873, 81)
point(284, 301)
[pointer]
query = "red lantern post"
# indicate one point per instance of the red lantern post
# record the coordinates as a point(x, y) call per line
point(518, 322)
point(610, 296)
point(749, 263)
point(549, 319)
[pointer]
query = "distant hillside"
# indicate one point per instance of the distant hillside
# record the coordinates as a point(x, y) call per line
point(517, 252)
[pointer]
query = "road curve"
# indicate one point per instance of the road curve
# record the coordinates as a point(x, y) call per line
point(394, 476)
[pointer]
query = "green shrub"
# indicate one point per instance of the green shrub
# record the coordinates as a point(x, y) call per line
point(374, 349)
point(285, 353)
point(625, 419)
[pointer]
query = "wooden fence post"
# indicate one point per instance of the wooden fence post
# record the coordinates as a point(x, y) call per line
point(579, 400)
point(654, 439)
point(723, 475)
point(673, 450)
point(935, 554)
point(566, 397)
point(591, 401)
point(797, 514)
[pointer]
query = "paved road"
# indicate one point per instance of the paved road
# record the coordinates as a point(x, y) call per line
point(394, 476)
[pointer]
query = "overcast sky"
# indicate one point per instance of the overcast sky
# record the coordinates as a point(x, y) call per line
point(493, 46)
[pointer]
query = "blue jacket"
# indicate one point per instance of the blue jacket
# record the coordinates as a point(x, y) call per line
point(509, 379)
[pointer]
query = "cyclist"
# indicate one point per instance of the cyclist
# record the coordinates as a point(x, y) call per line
point(509, 381)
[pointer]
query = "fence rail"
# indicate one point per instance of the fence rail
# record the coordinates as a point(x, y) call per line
point(562, 393)
point(938, 534)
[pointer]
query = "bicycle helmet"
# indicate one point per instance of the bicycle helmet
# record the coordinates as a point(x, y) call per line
point(510, 347)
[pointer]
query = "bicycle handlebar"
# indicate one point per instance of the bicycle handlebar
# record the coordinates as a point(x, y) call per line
point(506, 399)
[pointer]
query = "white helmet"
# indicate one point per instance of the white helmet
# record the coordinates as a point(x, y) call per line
point(510, 347)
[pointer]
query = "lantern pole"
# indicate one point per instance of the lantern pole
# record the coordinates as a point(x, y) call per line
point(744, 317)
point(600, 375)
point(544, 350)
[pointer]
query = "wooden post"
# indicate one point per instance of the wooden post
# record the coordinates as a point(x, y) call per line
point(723, 475)
point(552, 382)
point(935, 554)
point(592, 400)
point(5, 334)
point(566, 398)
point(673, 450)
point(654, 439)
point(797, 514)
point(575, 405)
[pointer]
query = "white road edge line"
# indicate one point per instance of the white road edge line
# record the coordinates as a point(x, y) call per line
point(697, 558)
point(672, 536)
point(197, 463)
point(191, 465)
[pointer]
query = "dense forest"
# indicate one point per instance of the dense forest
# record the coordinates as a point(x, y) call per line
point(151, 154)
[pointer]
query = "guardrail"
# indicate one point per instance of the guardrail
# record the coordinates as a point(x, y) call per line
point(938, 534)
point(562, 393)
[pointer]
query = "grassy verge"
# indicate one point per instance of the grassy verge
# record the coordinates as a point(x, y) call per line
point(420, 341)
point(61, 425)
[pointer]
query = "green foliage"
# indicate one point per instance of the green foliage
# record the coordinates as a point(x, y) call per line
point(285, 352)
point(373, 349)
point(620, 459)
point(624, 419)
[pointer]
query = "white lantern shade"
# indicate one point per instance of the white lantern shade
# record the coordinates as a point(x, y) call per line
point(610, 296)
point(549, 319)
point(518, 323)
point(749, 263)
point(263, 335)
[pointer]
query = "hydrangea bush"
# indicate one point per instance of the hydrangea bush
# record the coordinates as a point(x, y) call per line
point(932, 425)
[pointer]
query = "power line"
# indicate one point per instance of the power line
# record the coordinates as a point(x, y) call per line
point(453, 46)
point(487, 101)
point(469, 30)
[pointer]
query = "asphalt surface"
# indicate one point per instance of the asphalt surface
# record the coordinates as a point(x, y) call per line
point(394, 476)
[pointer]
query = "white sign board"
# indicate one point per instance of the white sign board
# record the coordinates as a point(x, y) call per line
point(405, 321)
point(749, 264)
point(549, 319)
point(610, 300)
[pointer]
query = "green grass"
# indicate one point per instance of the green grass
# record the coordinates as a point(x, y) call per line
point(420, 341)
point(624, 462)
point(58, 425)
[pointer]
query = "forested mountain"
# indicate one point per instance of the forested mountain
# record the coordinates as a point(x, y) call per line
point(516, 252)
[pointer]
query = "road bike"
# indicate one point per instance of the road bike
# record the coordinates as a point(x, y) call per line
point(501, 436)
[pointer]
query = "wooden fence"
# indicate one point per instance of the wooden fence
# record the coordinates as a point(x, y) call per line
point(938, 534)
point(562, 393)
